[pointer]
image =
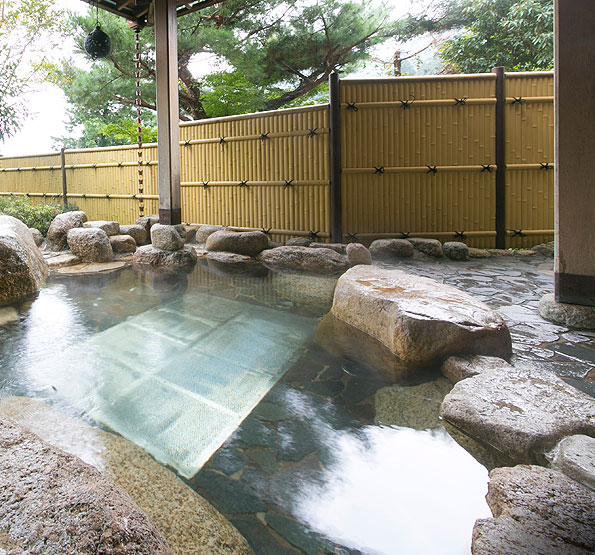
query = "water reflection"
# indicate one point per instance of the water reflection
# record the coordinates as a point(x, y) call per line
point(396, 491)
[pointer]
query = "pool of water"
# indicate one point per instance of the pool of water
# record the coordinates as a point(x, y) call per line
point(225, 380)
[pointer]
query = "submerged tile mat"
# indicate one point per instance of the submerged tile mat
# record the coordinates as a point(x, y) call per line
point(179, 379)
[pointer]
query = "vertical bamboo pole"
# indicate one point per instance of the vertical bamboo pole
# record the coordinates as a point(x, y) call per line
point(500, 158)
point(63, 164)
point(335, 158)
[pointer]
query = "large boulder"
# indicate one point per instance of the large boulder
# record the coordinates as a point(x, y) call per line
point(321, 261)
point(167, 237)
point(147, 221)
point(148, 255)
point(137, 232)
point(455, 250)
point(111, 228)
point(249, 243)
point(574, 316)
point(187, 521)
point(122, 243)
point(54, 503)
point(60, 227)
point(419, 320)
point(521, 411)
point(90, 244)
point(537, 511)
point(22, 267)
point(391, 248)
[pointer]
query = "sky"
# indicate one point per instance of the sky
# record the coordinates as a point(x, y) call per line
point(47, 104)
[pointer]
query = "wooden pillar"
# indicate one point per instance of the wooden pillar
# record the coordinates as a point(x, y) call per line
point(168, 128)
point(574, 151)
point(335, 159)
point(500, 158)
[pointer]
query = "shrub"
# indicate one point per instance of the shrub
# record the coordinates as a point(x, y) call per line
point(39, 216)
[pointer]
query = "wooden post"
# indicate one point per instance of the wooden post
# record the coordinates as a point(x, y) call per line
point(335, 159)
point(500, 158)
point(168, 128)
point(64, 187)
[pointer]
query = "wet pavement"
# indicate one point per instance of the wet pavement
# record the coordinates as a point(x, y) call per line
point(272, 479)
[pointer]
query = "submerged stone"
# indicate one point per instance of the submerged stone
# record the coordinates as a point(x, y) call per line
point(536, 511)
point(418, 319)
point(22, 267)
point(522, 412)
point(311, 294)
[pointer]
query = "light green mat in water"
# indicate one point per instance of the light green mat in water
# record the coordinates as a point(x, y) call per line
point(179, 379)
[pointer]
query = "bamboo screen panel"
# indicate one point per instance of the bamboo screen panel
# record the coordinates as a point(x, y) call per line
point(529, 157)
point(412, 156)
point(259, 171)
point(33, 175)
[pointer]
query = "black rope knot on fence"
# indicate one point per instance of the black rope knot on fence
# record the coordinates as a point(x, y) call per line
point(545, 166)
point(518, 233)
point(460, 235)
point(312, 235)
point(352, 107)
point(379, 170)
point(518, 100)
point(432, 169)
point(243, 183)
point(405, 104)
point(351, 237)
point(264, 136)
point(461, 101)
point(487, 168)
point(266, 230)
point(312, 132)
point(205, 185)
point(288, 183)
point(404, 235)
point(187, 143)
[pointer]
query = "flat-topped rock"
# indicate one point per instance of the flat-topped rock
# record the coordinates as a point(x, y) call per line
point(110, 227)
point(537, 511)
point(418, 319)
point(478, 253)
point(22, 267)
point(306, 259)
point(574, 316)
point(148, 255)
point(167, 237)
point(90, 244)
point(60, 227)
point(137, 232)
point(54, 503)
point(458, 368)
point(521, 411)
point(122, 243)
point(455, 250)
point(575, 457)
point(391, 248)
point(248, 243)
point(430, 247)
point(57, 260)
point(187, 521)
point(298, 242)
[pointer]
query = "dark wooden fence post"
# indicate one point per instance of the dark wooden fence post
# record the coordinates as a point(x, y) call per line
point(335, 158)
point(500, 158)
point(64, 187)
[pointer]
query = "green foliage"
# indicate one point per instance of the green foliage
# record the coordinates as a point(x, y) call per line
point(516, 34)
point(25, 33)
point(39, 216)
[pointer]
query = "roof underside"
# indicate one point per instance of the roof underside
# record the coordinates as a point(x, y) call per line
point(139, 10)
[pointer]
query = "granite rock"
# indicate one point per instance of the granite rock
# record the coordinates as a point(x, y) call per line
point(574, 316)
point(310, 294)
point(298, 242)
point(249, 243)
point(391, 248)
point(166, 237)
point(455, 250)
point(522, 412)
point(37, 236)
point(537, 511)
point(358, 254)
point(320, 261)
point(458, 368)
point(430, 247)
point(148, 255)
point(478, 253)
point(203, 232)
point(337, 247)
point(54, 503)
point(147, 221)
point(575, 456)
point(22, 267)
point(137, 232)
point(418, 319)
point(90, 245)
point(545, 249)
point(122, 243)
point(60, 227)
point(111, 228)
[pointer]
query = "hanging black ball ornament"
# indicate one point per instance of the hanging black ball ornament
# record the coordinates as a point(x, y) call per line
point(97, 43)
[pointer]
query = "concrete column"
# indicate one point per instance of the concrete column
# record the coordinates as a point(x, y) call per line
point(168, 129)
point(574, 102)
